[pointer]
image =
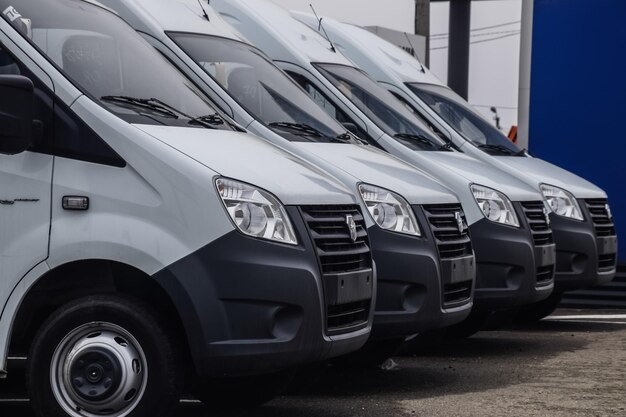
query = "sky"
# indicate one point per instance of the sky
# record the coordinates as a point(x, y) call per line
point(494, 65)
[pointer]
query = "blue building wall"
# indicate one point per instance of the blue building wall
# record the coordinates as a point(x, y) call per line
point(578, 94)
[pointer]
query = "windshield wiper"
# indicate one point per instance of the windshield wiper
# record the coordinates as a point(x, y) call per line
point(349, 136)
point(212, 119)
point(300, 127)
point(522, 152)
point(160, 106)
point(448, 146)
point(147, 103)
point(422, 139)
point(498, 148)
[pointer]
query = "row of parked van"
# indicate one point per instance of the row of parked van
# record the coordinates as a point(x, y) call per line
point(206, 197)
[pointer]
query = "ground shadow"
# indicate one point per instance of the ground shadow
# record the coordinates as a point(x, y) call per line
point(568, 326)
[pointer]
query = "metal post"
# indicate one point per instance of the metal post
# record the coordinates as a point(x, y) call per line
point(422, 25)
point(523, 100)
point(459, 46)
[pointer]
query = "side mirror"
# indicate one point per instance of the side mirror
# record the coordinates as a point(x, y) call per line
point(351, 127)
point(16, 114)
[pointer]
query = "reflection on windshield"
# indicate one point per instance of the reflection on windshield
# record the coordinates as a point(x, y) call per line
point(462, 118)
point(258, 85)
point(104, 57)
point(381, 107)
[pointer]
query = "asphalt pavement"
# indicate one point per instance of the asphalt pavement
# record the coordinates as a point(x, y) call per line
point(572, 364)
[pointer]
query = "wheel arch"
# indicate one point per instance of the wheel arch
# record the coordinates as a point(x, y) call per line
point(66, 282)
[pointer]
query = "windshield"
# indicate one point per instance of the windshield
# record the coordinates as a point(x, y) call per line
point(381, 107)
point(465, 120)
point(263, 89)
point(111, 63)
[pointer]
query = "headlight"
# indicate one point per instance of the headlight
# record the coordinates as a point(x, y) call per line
point(256, 212)
point(495, 205)
point(389, 210)
point(561, 202)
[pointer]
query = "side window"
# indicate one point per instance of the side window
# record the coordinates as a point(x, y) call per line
point(419, 116)
point(8, 66)
point(43, 102)
point(335, 112)
point(62, 132)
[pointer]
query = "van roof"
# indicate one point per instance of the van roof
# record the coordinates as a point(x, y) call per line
point(391, 62)
point(157, 16)
point(290, 39)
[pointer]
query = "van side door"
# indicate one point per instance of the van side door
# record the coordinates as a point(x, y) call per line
point(25, 187)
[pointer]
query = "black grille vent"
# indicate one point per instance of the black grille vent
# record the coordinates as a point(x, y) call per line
point(602, 222)
point(451, 242)
point(539, 227)
point(545, 275)
point(338, 253)
point(457, 293)
point(606, 262)
point(336, 250)
point(347, 316)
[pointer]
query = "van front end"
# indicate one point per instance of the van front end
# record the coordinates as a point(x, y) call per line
point(251, 306)
point(423, 286)
point(586, 253)
point(515, 264)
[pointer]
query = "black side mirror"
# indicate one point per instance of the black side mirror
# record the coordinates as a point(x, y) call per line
point(351, 127)
point(16, 114)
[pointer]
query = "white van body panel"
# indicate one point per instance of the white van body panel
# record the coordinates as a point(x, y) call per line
point(538, 171)
point(159, 208)
point(12, 304)
point(245, 157)
point(352, 164)
point(373, 166)
point(289, 43)
point(392, 66)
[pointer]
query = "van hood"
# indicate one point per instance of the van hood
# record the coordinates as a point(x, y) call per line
point(375, 167)
point(543, 172)
point(481, 173)
point(246, 158)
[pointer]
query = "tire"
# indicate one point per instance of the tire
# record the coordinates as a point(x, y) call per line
point(241, 393)
point(372, 355)
point(537, 311)
point(103, 355)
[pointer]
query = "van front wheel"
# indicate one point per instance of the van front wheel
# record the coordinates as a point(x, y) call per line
point(103, 356)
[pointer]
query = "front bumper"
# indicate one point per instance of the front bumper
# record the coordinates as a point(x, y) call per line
point(508, 263)
point(411, 281)
point(251, 306)
point(579, 253)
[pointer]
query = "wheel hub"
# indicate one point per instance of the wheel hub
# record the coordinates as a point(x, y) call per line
point(95, 374)
point(98, 369)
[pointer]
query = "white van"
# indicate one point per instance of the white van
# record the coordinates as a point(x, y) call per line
point(145, 238)
point(508, 225)
point(425, 273)
point(581, 218)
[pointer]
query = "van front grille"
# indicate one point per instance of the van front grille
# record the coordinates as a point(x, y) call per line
point(338, 253)
point(335, 249)
point(538, 223)
point(449, 226)
point(602, 221)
